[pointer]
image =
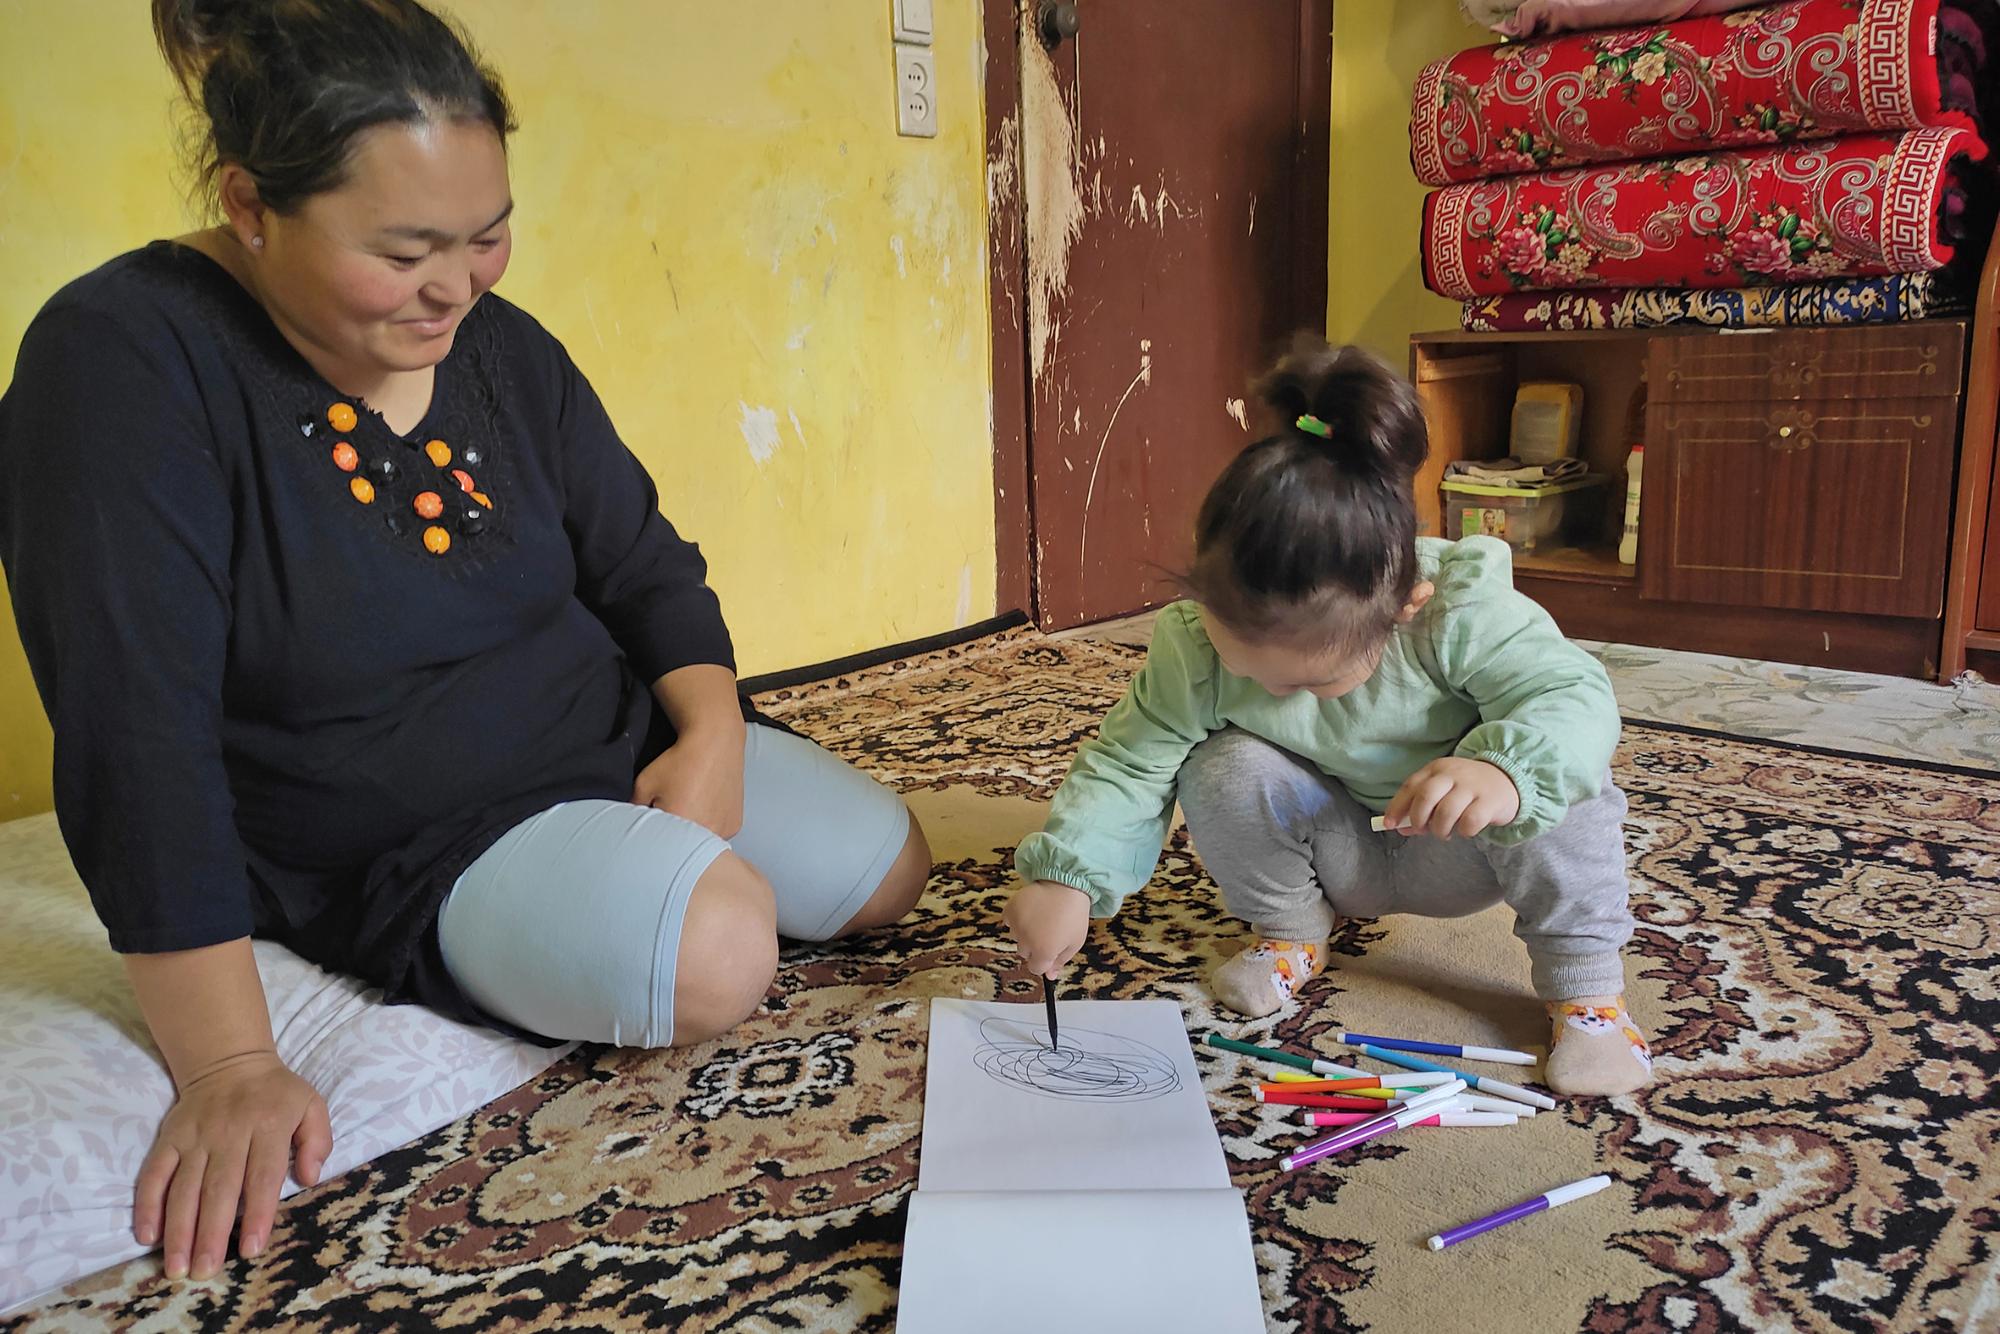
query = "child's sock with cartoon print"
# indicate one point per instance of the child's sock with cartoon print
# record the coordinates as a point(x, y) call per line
point(1595, 1048)
point(1263, 977)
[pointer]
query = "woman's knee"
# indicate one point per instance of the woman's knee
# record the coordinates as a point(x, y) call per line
point(728, 953)
point(900, 887)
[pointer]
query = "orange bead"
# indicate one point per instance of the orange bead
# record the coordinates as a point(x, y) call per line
point(344, 457)
point(438, 452)
point(480, 496)
point(342, 417)
point(363, 489)
point(436, 540)
point(463, 478)
point(428, 504)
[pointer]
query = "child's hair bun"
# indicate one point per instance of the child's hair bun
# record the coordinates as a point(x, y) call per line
point(1351, 405)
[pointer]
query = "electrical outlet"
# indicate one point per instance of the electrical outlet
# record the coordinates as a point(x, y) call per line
point(916, 92)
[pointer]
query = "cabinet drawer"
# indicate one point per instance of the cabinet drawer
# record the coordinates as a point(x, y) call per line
point(1821, 505)
point(1921, 360)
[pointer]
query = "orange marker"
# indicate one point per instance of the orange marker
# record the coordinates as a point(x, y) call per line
point(1368, 1086)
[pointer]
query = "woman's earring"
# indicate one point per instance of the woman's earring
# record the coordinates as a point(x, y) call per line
point(256, 243)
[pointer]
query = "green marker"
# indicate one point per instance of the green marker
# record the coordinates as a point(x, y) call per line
point(1281, 1057)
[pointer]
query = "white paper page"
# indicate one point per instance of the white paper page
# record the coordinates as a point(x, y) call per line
point(1149, 1262)
point(1118, 1105)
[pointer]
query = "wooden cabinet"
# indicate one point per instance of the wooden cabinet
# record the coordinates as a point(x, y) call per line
point(1803, 469)
point(1798, 483)
point(1923, 360)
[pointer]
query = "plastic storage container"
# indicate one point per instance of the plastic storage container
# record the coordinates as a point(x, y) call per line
point(1527, 518)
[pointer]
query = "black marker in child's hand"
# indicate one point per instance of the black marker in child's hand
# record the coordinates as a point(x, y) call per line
point(1049, 999)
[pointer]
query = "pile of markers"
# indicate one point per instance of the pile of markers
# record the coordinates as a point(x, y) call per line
point(1358, 1106)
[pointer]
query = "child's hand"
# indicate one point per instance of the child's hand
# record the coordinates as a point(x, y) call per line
point(1453, 796)
point(1049, 922)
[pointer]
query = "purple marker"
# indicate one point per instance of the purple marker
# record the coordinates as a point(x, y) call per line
point(1548, 1200)
point(1416, 1109)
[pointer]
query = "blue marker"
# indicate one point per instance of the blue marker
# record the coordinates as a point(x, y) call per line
point(1499, 1088)
point(1499, 1055)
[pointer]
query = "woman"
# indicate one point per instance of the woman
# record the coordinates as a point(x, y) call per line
point(360, 629)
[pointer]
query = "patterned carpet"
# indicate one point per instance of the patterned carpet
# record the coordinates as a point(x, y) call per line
point(1816, 956)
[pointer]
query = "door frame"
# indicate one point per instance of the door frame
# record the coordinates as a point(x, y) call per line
point(1006, 22)
point(1007, 266)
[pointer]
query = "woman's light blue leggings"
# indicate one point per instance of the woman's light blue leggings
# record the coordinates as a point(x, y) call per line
point(570, 925)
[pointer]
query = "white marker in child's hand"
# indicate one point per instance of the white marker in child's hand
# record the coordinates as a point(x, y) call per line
point(1380, 824)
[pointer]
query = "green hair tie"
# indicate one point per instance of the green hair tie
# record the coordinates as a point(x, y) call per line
point(1312, 425)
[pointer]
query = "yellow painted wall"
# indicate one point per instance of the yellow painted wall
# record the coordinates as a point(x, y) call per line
point(1375, 278)
point(783, 303)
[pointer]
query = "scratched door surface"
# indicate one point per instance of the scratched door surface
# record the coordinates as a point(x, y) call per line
point(1173, 158)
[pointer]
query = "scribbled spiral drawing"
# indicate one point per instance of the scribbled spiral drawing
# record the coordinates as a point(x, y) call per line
point(1088, 1065)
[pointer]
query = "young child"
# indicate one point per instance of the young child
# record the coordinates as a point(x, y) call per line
point(1331, 666)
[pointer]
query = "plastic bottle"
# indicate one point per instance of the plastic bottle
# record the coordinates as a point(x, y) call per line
point(1628, 545)
point(1635, 433)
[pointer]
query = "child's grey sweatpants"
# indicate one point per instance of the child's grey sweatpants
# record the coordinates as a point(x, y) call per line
point(1292, 851)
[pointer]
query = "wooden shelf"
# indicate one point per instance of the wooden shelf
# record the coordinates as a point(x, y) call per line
point(1793, 579)
point(1458, 338)
point(1455, 338)
point(1595, 565)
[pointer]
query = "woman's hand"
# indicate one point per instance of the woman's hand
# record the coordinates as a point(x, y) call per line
point(1049, 922)
point(1453, 796)
point(699, 778)
point(227, 1141)
point(239, 1117)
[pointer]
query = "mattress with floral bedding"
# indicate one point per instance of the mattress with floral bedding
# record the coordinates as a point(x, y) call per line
point(1859, 206)
point(1787, 73)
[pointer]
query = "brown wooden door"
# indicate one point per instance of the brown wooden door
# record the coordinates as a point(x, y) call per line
point(1988, 615)
point(1807, 470)
point(1172, 172)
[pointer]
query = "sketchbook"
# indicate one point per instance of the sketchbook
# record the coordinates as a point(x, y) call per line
point(1075, 1187)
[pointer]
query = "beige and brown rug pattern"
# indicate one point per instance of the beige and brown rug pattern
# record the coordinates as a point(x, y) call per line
point(1818, 957)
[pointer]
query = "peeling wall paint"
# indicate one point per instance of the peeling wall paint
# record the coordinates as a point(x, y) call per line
point(1003, 184)
point(706, 196)
point(760, 432)
point(1143, 376)
point(1002, 173)
point(1055, 205)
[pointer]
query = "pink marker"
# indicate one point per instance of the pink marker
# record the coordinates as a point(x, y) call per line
point(1313, 1117)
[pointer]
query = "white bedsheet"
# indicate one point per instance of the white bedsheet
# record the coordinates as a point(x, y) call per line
point(82, 1088)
